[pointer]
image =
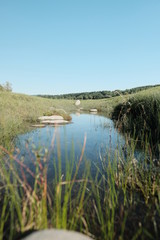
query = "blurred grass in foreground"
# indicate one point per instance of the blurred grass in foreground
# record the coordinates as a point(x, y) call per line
point(122, 201)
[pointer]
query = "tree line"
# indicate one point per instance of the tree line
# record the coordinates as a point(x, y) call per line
point(97, 94)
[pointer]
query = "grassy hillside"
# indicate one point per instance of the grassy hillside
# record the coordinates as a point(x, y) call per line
point(140, 117)
point(18, 111)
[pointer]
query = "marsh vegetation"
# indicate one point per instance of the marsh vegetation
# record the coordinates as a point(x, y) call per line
point(121, 200)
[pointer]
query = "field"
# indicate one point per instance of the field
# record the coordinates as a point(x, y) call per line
point(121, 202)
point(18, 111)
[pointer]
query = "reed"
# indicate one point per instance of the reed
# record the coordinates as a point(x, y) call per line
point(140, 116)
point(37, 205)
point(124, 198)
point(121, 201)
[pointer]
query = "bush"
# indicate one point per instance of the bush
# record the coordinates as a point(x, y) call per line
point(6, 87)
point(141, 117)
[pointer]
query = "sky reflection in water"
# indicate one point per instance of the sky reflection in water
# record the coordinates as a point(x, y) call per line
point(102, 138)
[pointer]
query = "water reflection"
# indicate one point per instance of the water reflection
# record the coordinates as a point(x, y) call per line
point(66, 142)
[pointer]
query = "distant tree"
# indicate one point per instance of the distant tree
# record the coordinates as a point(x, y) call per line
point(85, 97)
point(7, 86)
point(97, 94)
point(80, 97)
point(1, 88)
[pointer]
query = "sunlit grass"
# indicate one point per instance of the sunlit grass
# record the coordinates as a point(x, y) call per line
point(140, 116)
point(19, 111)
point(122, 201)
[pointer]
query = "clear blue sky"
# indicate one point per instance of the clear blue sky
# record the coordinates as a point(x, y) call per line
point(64, 46)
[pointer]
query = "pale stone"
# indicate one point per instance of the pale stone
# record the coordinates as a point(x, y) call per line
point(93, 110)
point(77, 103)
point(53, 117)
point(54, 234)
point(39, 125)
point(58, 121)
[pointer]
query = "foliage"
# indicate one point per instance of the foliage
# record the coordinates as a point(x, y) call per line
point(6, 87)
point(19, 111)
point(98, 94)
point(140, 115)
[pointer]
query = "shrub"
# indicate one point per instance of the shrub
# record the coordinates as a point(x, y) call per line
point(140, 116)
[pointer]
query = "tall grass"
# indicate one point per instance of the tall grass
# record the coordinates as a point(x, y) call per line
point(19, 111)
point(122, 201)
point(140, 115)
point(36, 205)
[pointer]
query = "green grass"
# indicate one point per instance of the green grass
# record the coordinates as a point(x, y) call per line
point(140, 115)
point(19, 111)
point(122, 201)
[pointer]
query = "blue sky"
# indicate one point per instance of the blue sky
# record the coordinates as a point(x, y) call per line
point(65, 46)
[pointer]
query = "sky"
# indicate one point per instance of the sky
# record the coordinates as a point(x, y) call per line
point(69, 46)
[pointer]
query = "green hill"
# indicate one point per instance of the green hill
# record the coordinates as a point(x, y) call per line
point(19, 110)
point(98, 94)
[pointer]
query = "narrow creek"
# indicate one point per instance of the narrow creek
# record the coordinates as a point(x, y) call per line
point(66, 142)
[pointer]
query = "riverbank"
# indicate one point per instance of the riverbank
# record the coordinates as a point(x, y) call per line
point(121, 202)
point(140, 116)
point(19, 111)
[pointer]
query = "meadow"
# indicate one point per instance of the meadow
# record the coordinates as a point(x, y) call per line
point(122, 201)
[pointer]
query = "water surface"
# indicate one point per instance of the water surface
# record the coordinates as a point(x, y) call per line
point(102, 139)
